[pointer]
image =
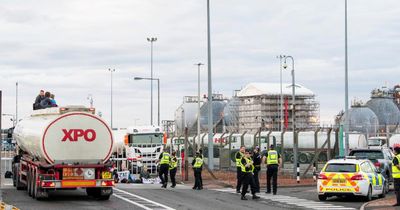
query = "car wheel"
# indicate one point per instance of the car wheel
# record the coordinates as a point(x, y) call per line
point(322, 197)
point(383, 191)
point(368, 197)
point(387, 186)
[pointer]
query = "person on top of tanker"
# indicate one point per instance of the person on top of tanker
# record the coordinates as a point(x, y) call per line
point(46, 102)
point(53, 102)
point(38, 99)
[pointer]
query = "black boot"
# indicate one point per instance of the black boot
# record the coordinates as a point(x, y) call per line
point(243, 197)
point(255, 196)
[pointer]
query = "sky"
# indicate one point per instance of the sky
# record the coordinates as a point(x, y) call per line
point(67, 46)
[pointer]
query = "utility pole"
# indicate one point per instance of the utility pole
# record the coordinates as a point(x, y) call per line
point(111, 71)
point(151, 40)
point(198, 105)
point(16, 103)
point(210, 117)
point(346, 78)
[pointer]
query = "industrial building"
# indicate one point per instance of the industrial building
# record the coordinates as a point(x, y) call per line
point(260, 107)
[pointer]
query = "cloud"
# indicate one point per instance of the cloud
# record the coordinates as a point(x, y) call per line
point(67, 46)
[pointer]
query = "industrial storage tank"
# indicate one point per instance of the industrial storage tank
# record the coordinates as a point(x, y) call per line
point(231, 115)
point(386, 111)
point(218, 105)
point(361, 119)
point(186, 114)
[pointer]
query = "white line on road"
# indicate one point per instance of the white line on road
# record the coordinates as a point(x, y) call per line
point(300, 202)
point(144, 199)
point(132, 202)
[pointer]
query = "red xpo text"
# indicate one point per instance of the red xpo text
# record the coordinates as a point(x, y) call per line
point(75, 134)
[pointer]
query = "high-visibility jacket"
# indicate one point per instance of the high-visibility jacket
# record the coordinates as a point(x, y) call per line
point(165, 159)
point(272, 157)
point(198, 163)
point(243, 166)
point(238, 164)
point(173, 164)
point(395, 170)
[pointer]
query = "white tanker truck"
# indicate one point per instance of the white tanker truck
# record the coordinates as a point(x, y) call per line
point(63, 148)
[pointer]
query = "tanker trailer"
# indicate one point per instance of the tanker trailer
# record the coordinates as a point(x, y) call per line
point(63, 148)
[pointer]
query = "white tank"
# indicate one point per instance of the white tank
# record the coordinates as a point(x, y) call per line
point(65, 135)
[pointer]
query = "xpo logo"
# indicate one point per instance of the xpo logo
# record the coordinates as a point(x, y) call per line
point(74, 134)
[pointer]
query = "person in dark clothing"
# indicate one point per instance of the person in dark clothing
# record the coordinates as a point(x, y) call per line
point(396, 174)
point(46, 102)
point(247, 168)
point(257, 167)
point(272, 159)
point(172, 168)
point(201, 176)
point(38, 99)
point(197, 164)
point(164, 161)
point(238, 158)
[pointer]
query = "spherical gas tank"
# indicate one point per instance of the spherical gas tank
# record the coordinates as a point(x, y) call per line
point(62, 135)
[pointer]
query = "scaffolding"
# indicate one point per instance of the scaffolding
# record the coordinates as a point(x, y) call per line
point(263, 110)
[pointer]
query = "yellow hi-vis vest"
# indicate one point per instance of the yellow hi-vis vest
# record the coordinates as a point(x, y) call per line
point(395, 170)
point(173, 164)
point(272, 157)
point(238, 164)
point(198, 163)
point(165, 158)
point(244, 165)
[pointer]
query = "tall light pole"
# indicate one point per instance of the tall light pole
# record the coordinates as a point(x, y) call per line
point(198, 102)
point(151, 40)
point(210, 120)
point(158, 87)
point(281, 99)
point(295, 143)
point(111, 90)
point(346, 78)
point(16, 102)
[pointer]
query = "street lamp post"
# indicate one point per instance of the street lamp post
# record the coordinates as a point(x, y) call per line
point(151, 40)
point(281, 99)
point(111, 71)
point(198, 102)
point(295, 143)
point(158, 87)
point(210, 117)
point(16, 102)
point(346, 78)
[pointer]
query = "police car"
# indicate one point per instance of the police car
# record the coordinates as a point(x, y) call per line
point(350, 176)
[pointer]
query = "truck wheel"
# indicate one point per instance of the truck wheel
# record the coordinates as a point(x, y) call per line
point(34, 187)
point(28, 180)
point(104, 197)
point(92, 192)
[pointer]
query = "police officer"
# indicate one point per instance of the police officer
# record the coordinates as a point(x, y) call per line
point(164, 161)
point(272, 159)
point(247, 167)
point(238, 158)
point(396, 173)
point(257, 167)
point(197, 164)
point(172, 168)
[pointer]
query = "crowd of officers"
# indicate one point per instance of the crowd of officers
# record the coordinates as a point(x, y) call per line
point(249, 164)
point(169, 163)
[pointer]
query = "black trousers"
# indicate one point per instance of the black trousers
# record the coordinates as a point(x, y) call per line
point(201, 178)
point(256, 172)
point(172, 174)
point(164, 174)
point(197, 178)
point(248, 179)
point(238, 178)
point(272, 172)
point(396, 183)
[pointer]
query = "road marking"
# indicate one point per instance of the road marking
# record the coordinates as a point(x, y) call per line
point(139, 200)
point(300, 202)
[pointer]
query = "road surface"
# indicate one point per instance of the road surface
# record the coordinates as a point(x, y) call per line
point(138, 196)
